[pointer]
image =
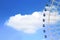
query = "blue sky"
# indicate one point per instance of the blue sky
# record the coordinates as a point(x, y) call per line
point(10, 8)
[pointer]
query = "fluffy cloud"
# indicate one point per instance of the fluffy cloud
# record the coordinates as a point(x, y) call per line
point(31, 23)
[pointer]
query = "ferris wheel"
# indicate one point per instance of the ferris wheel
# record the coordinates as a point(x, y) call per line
point(52, 3)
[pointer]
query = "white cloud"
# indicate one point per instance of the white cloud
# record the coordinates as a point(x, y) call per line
point(31, 23)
